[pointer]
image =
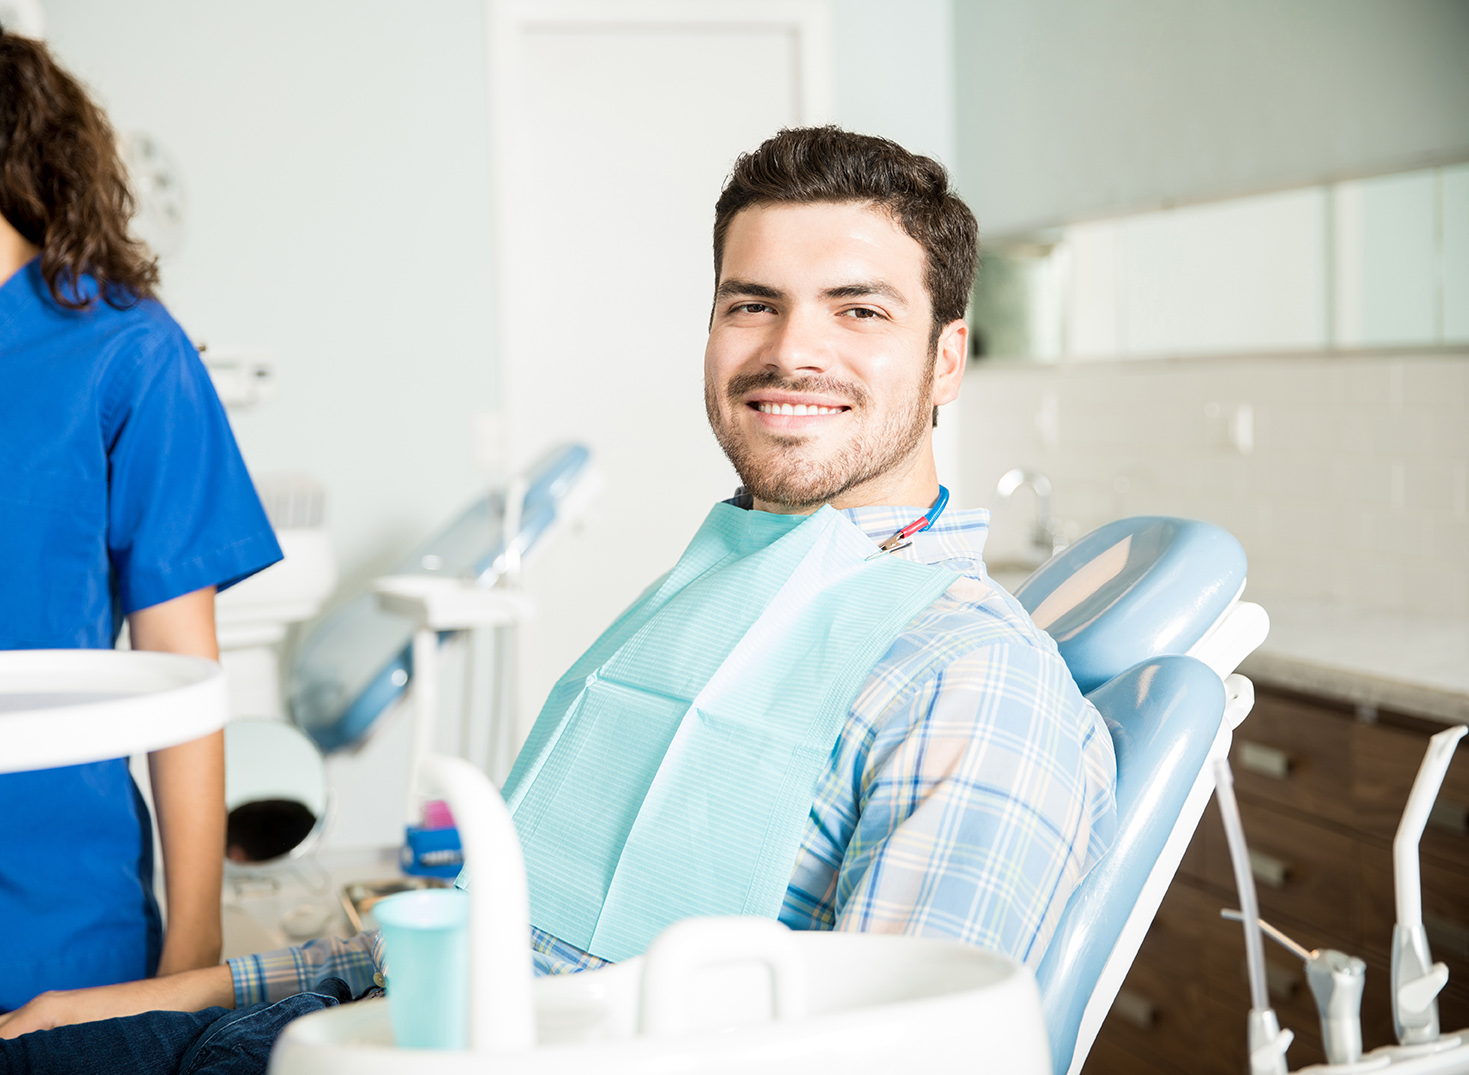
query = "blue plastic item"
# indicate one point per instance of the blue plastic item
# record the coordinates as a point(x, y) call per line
point(426, 936)
point(358, 660)
point(431, 852)
point(1163, 715)
point(1133, 589)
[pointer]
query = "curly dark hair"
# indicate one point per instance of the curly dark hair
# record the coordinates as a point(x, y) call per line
point(63, 186)
point(828, 164)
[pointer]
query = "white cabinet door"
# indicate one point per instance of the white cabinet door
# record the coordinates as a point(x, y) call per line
point(614, 124)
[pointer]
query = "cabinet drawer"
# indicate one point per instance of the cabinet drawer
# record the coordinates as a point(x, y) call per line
point(1303, 871)
point(1157, 1018)
point(1384, 762)
point(1186, 926)
point(1109, 1058)
point(1293, 753)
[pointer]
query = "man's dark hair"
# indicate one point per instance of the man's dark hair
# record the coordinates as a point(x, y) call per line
point(828, 164)
point(63, 186)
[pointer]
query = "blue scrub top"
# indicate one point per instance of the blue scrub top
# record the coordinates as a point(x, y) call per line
point(120, 487)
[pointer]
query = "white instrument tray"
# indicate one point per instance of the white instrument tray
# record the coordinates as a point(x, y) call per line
point(66, 707)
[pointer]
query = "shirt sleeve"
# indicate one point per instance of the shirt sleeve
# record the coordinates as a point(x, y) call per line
point(272, 976)
point(182, 511)
point(988, 793)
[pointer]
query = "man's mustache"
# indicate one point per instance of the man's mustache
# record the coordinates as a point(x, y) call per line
point(855, 395)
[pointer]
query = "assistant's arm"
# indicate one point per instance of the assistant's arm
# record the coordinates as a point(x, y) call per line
point(188, 791)
point(247, 980)
point(988, 793)
point(188, 991)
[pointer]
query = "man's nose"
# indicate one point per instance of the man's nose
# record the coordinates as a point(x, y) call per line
point(799, 344)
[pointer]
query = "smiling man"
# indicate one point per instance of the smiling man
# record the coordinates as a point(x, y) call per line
point(825, 713)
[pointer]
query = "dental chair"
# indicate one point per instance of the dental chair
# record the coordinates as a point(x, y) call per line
point(1146, 614)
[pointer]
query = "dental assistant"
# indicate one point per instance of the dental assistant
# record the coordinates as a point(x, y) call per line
point(123, 497)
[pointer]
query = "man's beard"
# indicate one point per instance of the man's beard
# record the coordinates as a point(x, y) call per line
point(786, 476)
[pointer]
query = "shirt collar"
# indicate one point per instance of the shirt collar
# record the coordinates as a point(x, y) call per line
point(959, 534)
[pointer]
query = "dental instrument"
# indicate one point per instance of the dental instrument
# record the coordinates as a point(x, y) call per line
point(1267, 1041)
point(902, 539)
point(1416, 979)
point(1336, 980)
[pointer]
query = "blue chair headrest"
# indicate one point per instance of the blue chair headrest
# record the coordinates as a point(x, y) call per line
point(1134, 589)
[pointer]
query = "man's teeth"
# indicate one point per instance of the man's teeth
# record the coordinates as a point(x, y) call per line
point(795, 408)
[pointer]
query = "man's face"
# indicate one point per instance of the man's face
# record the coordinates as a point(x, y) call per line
point(818, 376)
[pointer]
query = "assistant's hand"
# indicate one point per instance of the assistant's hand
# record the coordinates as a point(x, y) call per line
point(186, 992)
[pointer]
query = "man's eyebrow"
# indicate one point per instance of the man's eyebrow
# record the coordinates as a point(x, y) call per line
point(730, 288)
point(864, 288)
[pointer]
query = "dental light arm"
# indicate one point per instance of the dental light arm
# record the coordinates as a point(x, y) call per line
point(1416, 979)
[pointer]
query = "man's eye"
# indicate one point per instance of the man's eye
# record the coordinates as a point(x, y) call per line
point(750, 308)
point(861, 313)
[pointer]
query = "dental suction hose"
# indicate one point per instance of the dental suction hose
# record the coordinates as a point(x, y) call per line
point(1416, 979)
point(1267, 1042)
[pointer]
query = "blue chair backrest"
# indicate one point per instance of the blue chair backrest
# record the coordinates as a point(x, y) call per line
point(1123, 605)
point(1163, 715)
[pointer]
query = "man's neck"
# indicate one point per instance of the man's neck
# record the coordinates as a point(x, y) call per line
point(15, 251)
point(915, 483)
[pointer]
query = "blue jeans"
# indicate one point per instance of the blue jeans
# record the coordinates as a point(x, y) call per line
point(215, 1041)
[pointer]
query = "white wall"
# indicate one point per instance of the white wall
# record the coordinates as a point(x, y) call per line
point(1070, 108)
point(1355, 491)
point(334, 157)
point(895, 78)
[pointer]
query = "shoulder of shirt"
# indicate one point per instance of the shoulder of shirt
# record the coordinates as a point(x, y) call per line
point(973, 617)
point(976, 611)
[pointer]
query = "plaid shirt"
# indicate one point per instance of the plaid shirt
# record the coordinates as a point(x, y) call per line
point(969, 791)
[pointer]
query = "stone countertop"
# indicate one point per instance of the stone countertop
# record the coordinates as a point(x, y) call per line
point(1406, 663)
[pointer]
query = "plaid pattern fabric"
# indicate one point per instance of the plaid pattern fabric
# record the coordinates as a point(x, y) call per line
point(276, 975)
point(970, 790)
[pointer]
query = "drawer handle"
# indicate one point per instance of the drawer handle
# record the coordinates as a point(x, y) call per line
point(1134, 1009)
point(1450, 816)
point(1266, 761)
point(1269, 870)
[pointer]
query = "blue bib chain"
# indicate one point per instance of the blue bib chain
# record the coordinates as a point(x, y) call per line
point(904, 537)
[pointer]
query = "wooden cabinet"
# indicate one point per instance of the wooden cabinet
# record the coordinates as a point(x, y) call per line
point(1320, 793)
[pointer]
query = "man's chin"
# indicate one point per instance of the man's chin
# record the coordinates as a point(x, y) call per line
point(798, 490)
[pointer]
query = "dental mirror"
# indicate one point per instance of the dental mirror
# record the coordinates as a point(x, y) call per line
point(275, 791)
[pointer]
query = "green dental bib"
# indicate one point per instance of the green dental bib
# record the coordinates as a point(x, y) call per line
point(672, 769)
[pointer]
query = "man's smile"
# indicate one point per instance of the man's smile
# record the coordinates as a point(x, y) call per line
point(794, 412)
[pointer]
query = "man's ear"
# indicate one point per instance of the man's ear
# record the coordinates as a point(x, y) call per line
point(948, 366)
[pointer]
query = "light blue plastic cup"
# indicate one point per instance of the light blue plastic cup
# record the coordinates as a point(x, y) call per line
point(426, 935)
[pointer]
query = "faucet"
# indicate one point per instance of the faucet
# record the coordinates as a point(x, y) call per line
point(1045, 542)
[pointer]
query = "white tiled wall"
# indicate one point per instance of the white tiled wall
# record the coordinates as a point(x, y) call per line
point(1354, 487)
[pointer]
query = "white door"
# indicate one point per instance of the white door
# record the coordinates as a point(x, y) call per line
point(614, 125)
